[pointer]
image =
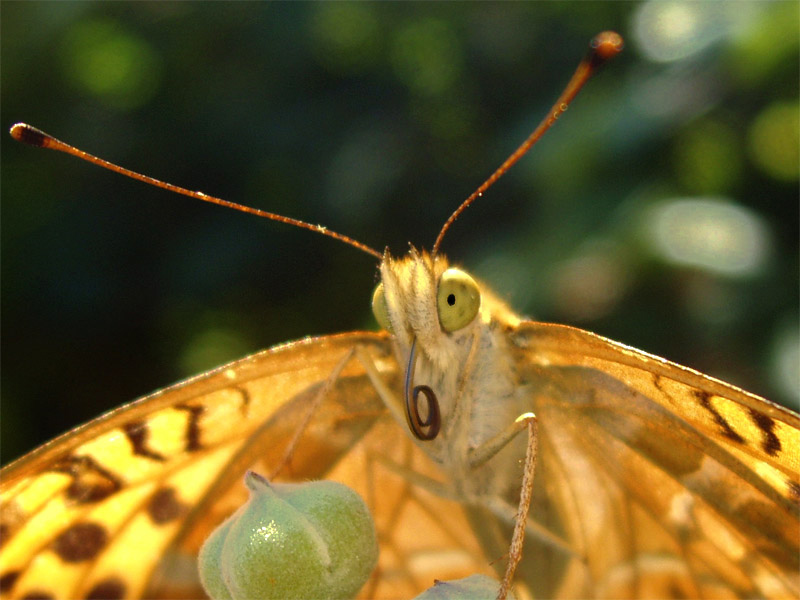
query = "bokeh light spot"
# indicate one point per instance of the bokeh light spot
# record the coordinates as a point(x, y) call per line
point(711, 234)
point(589, 286)
point(707, 158)
point(427, 57)
point(768, 44)
point(670, 31)
point(100, 58)
point(345, 36)
point(774, 141)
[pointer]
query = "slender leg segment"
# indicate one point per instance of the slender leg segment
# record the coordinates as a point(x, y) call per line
point(518, 538)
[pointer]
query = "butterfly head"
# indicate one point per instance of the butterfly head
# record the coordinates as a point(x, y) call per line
point(439, 316)
point(421, 298)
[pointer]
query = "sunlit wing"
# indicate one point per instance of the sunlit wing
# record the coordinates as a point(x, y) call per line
point(661, 481)
point(118, 508)
point(664, 482)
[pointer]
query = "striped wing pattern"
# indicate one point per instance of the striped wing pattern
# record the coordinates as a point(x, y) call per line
point(660, 482)
point(665, 483)
point(118, 508)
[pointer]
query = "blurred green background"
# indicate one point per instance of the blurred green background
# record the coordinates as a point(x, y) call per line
point(661, 211)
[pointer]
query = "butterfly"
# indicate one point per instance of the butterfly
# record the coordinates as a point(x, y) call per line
point(651, 479)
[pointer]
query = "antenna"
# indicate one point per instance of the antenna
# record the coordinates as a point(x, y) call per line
point(603, 47)
point(27, 134)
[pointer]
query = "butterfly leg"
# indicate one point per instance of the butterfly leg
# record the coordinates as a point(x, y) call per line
point(518, 537)
point(477, 458)
point(429, 484)
point(509, 513)
point(480, 455)
point(499, 507)
point(506, 513)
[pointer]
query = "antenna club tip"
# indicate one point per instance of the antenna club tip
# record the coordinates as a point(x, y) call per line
point(22, 132)
point(607, 45)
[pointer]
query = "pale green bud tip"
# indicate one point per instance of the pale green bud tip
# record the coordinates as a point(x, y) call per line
point(309, 540)
point(474, 587)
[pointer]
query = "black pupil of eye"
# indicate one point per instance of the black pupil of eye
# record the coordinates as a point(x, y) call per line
point(451, 299)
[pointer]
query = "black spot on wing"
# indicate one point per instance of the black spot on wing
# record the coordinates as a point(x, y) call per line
point(7, 580)
point(81, 541)
point(675, 590)
point(111, 588)
point(137, 433)
point(192, 427)
point(771, 444)
point(90, 481)
point(658, 382)
point(164, 506)
point(246, 399)
point(37, 595)
point(725, 428)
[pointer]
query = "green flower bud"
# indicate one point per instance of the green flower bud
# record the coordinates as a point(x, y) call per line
point(309, 540)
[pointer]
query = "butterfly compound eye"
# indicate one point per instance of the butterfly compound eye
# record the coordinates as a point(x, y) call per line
point(380, 308)
point(457, 300)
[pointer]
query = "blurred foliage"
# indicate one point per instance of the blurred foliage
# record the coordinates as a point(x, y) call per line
point(377, 120)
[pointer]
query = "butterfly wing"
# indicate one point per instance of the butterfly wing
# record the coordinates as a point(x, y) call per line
point(118, 508)
point(664, 482)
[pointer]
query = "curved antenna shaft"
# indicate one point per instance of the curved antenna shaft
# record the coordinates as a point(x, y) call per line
point(604, 46)
point(27, 134)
